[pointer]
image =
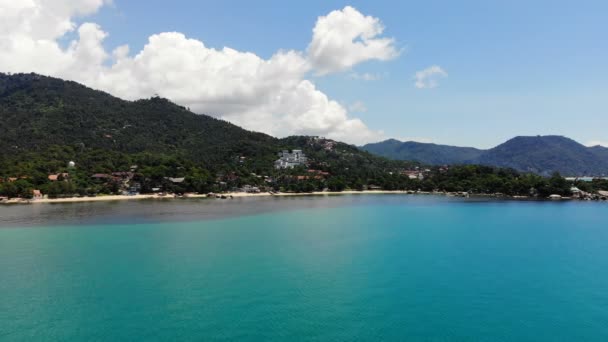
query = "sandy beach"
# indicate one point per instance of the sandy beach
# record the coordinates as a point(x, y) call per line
point(156, 196)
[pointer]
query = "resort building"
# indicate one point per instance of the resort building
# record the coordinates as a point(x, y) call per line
point(60, 176)
point(36, 194)
point(289, 160)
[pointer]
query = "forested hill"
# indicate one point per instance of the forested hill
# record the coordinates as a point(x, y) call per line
point(153, 145)
point(538, 154)
point(38, 112)
point(426, 153)
point(46, 122)
point(547, 154)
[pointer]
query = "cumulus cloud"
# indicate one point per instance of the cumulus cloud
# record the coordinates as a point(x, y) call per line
point(29, 31)
point(344, 38)
point(428, 78)
point(268, 95)
point(43, 19)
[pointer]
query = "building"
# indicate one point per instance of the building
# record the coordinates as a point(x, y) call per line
point(60, 176)
point(413, 174)
point(289, 160)
point(101, 176)
point(250, 189)
point(37, 194)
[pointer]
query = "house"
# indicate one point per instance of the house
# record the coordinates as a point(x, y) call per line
point(60, 176)
point(101, 176)
point(319, 173)
point(37, 194)
point(289, 160)
point(250, 189)
point(175, 180)
point(123, 174)
point(411, 174)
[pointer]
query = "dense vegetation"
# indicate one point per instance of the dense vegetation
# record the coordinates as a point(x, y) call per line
point(426, 153)
point(47, 122)
point(541, 155)
point(154, 145)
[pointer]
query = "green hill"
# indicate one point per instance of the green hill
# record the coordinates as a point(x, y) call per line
point(546, 154)
point(39, 112)
point(432, 154)
point(47, 122)
point(538, 154)
point(155, 144)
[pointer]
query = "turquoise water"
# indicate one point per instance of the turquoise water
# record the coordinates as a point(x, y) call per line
point(365, 268)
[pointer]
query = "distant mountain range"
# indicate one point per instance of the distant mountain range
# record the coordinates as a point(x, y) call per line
point(537, 154)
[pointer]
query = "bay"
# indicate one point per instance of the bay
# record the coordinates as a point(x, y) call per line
point(328, 268)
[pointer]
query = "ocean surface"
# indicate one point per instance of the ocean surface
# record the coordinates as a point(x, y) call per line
point(327, 268)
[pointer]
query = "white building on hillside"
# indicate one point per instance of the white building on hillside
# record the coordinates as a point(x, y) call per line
point(289, 160)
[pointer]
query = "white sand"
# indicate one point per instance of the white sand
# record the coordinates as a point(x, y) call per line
point(154, 196)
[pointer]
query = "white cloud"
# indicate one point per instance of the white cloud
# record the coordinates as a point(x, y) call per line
point(268, 95)
point(596, 143)
point(428, 78)
point(344, 38)
point(43, 19)
point(358, 106)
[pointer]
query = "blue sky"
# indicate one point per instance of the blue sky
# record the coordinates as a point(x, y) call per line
point(514, 68)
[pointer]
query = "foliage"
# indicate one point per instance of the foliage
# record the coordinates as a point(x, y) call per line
point(541, 155)
point(425, 153)
point(48, 122)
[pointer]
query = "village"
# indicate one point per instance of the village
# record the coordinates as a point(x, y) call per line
point(130, 182)
point(292, 174)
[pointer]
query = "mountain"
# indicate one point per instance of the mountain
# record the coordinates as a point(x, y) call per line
point(537, 154)
point(599, 151)
point(38, 112)
point(46, 122)
point(546, 154)
point(422, 152)
point(61, 138)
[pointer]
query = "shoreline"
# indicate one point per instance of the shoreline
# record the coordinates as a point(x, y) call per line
point(229, 195)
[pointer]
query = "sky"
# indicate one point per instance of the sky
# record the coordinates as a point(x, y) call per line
point(466, 73)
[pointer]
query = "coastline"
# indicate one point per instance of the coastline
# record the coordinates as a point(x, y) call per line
point(167, 197)
point(229, 195)
point(226, 195)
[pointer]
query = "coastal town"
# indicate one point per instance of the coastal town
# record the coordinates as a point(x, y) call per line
point(291, 167)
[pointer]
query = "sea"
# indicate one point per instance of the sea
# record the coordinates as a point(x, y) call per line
point(314, 268)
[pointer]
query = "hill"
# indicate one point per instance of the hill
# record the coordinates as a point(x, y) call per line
point(432, 154)
point(39, 112)
point(47, 122)
point(154, 145)
point(538, 154)
point(546, 154)
point(599, 151)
